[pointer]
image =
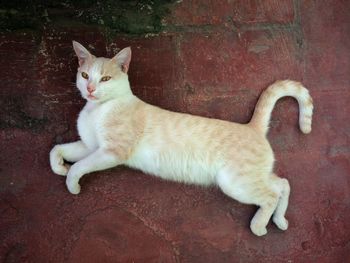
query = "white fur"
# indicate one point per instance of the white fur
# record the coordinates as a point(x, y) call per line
point(151, 155)
point(171, 164)
point(175, 152)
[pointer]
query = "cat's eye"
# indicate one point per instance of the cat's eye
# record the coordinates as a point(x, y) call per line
point(84, 75)
point(105, 78)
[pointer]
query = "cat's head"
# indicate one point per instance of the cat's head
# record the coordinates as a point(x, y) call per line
point(101, 79)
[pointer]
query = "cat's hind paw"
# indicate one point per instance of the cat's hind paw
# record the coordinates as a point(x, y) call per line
point(258, 230)
point(281, 222)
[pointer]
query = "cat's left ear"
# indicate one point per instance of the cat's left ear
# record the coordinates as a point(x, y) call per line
point(123, 59)
point(82, 53)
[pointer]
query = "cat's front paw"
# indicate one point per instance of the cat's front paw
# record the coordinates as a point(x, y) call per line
point(57, 163)
point(72, 181)
point(74, 188)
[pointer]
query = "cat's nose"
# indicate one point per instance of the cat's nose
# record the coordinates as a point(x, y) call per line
point(91, 88)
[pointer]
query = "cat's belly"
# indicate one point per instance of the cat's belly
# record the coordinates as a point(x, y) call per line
point(177, 166)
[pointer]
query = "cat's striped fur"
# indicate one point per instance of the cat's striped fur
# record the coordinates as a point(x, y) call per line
point(118, 128)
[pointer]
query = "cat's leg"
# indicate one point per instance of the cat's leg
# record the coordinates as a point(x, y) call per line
point(279, 214)
point(98, 160)
point(249, 189)
point(70, 152)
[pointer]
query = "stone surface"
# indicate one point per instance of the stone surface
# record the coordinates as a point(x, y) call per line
point(239, 12)
point(211, 59)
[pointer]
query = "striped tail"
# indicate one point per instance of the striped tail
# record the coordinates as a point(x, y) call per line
point(267, 100)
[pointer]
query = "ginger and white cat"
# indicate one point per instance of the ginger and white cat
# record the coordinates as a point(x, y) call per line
point(117, 128)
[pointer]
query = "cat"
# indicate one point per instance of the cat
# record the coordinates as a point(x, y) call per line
point(116, 127)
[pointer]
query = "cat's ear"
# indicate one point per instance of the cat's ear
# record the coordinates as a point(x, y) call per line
point(123, 59)
point(82, 53)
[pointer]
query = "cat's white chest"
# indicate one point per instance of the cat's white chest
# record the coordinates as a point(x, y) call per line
point(88, 125)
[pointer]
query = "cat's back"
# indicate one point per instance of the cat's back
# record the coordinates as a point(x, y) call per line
point(182, 127)
point(190, 148)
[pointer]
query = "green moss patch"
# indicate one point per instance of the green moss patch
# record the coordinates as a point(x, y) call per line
point(131, 17)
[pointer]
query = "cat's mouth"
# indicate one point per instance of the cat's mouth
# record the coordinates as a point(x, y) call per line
point(91, 97)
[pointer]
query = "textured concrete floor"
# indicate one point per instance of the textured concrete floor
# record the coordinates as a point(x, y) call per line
point(213, 58)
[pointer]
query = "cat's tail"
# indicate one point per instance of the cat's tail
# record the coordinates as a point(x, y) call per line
point(267, 100)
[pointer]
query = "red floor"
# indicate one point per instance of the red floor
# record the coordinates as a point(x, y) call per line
point(213, 59)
